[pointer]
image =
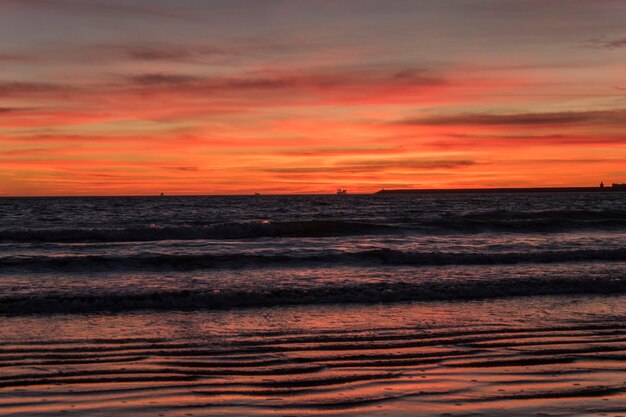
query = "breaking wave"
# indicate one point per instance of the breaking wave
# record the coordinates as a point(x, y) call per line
point(235, 230)
point(531, 221)
point(376, 257)
point(474, 222)
point(355, 293)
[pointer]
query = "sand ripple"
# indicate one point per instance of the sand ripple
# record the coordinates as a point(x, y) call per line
point(473, 370)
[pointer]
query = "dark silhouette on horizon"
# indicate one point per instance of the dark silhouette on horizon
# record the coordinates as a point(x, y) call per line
point(614, 187)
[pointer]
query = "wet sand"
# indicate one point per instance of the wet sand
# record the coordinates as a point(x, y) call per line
point(546, 356)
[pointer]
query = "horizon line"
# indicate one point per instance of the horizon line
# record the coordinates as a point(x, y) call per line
point(253, 194)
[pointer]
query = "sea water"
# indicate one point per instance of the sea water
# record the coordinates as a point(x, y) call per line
point(170, 253)
point(343, 305)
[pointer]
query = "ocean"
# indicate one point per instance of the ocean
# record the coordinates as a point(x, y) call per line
point(425, 304)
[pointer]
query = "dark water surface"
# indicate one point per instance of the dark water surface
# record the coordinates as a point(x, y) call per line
point(169, 253)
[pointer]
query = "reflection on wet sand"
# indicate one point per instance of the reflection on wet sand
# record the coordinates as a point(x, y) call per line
point(546, 356)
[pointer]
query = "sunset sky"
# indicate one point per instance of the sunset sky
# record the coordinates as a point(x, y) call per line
point(106, 97)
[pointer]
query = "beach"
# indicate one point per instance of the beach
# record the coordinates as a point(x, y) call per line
point(443, 305)
point(529, 356)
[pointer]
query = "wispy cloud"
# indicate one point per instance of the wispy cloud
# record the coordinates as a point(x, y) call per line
point(160, 51)
point(5, 110)
point(187, 169)
point(342, 84)
point(610, 44)
point(545, 139)
point(116, 7)
point(378, 165)
point(8, 58)
point(21, 88)
point(157, 79)
point(325, 152)
point(521, 119)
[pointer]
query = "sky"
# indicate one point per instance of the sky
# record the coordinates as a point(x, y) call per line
point(139, 97)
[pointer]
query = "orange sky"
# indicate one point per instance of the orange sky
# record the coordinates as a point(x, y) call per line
point(194, 97)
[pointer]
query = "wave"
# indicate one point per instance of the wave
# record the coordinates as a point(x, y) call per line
point(376, 257)
point(356, 293)
point(530, 221)
point(242, 230)
point(472, 222)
